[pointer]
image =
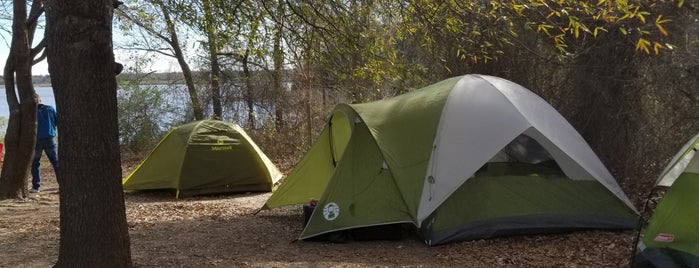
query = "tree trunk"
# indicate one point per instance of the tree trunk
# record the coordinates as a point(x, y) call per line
point(278, 55)
point(21, 129)
point(248, 89)
point(186, 71)
point(81, 63)
point(215, 67)
point(308, 86)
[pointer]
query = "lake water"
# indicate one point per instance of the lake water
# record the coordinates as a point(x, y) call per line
point(176, 95)
point(46, 94)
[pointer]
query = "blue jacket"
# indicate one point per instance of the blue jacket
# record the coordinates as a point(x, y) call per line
point(45, 122)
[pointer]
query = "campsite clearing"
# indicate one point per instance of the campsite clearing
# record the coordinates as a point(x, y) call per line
point(221, 231)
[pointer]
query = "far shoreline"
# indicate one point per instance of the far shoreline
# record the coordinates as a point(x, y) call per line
point(2, 86)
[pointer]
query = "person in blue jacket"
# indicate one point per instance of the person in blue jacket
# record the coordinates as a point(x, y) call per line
point(45, 132)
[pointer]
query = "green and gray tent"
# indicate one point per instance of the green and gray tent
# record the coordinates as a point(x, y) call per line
point(205, 157)
point(470, 157)
point(671, 236)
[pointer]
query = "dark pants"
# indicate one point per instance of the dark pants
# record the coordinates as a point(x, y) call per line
point(43, 145)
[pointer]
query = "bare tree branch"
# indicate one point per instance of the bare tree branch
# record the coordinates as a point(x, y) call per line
point(150, 30)
point(43, 53)
point(153, 50)
point(35, 13)
point(38, 48)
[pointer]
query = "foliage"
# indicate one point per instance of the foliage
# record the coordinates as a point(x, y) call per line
point(479, 30)
point(146, 112)
point(144, 25)
point(365, 50)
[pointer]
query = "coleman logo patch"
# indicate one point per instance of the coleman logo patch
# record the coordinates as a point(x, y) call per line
point(331, 211)
point(666, 238)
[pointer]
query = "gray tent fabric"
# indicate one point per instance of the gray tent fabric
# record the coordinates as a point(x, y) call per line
point(473, 106)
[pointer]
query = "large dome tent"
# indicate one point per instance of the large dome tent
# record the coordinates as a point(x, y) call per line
point(469, 157)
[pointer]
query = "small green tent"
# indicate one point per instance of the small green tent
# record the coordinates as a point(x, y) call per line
point(205, 157)
point(470, 157)
point(671, 236)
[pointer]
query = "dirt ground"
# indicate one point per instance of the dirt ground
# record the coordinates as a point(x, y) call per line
point(223, 231)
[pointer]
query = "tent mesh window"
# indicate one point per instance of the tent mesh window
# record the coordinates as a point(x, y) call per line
point(522, 156)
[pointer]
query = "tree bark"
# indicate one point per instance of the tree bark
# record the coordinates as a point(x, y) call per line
point(308, 86)
point(21, 129)
point(81, 63)
point(278, 55)
point(249, 100)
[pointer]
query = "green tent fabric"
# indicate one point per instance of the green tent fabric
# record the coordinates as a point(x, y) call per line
point(671, 237)
point(204, 157)
point(469, 157)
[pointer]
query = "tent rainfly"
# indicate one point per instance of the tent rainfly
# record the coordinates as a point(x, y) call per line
point(671, 236)
point(467, 158)
point(205, 157)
